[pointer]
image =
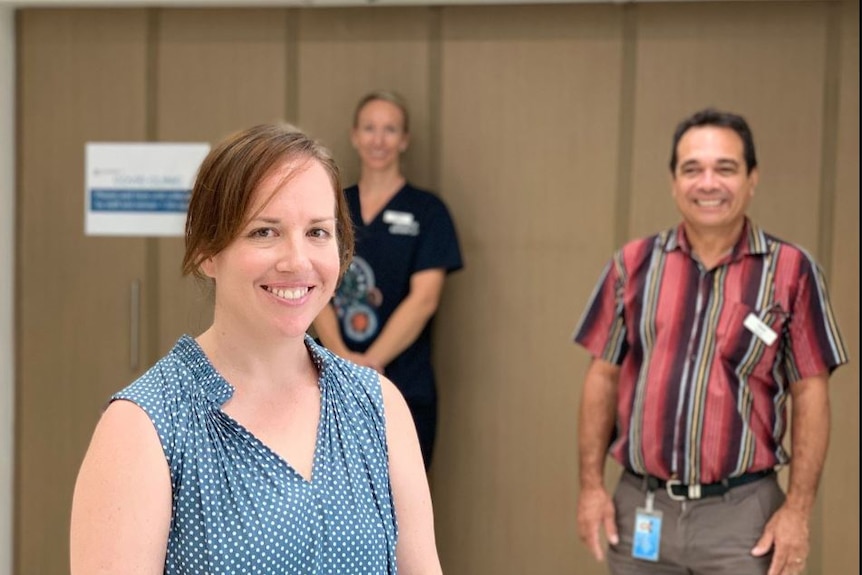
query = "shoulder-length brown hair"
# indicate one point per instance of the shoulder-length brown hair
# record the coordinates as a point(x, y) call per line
point(223, 190)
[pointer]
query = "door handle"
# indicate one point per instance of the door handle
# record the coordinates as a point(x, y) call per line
point(134, 324)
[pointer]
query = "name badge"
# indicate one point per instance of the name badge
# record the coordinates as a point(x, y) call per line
point(760, 329)
point(647, 534)
point(397, 218)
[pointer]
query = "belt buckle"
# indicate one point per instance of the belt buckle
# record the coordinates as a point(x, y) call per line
point(693, 490)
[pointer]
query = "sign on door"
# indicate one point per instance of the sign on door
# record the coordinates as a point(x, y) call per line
point(139, 189)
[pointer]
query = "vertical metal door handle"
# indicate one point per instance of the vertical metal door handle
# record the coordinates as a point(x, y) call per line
point(134, 324)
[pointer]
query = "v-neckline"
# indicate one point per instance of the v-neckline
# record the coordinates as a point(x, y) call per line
point(228, 391)
point(379, 214)
point(316, 454)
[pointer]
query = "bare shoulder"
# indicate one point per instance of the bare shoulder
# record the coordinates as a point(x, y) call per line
point(416, 550)
point(126, 419)
point(122, 503)
point(404, 453)
point(399, 421)
point(393, 401)
point(125, 453)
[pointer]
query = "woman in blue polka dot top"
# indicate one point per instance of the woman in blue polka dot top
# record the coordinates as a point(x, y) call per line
point(249, 449)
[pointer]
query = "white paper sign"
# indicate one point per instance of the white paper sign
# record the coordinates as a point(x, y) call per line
point(139, 189)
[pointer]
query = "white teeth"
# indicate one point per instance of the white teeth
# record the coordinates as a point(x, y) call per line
point(709, 203)
point(285, 293)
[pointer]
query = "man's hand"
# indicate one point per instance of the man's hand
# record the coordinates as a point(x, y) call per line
point(596, 509)
point(787, 530)
point(787, 533)
point(597, 416)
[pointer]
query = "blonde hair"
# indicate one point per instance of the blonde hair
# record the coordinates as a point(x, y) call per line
point(387, 96)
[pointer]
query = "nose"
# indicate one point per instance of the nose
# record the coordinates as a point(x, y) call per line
point(708, 180)
point(292, 255)
point(378, 136)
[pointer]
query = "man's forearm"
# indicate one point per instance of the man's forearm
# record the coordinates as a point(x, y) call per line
point(809, 440)
point(597, 417)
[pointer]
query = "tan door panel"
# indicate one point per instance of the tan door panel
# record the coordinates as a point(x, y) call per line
point(82, 78)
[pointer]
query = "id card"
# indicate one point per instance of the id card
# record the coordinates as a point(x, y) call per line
point(647, 535)
point(760, 329)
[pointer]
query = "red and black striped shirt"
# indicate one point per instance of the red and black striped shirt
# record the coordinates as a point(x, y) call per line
point(701, 397)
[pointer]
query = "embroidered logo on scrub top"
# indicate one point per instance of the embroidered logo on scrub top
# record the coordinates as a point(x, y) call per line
point(401, 223)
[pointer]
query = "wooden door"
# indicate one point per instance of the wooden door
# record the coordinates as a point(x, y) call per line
point(82, 78)
point(110, 75)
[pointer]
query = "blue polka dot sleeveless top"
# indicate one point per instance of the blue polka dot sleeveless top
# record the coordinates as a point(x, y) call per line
point(239, 508)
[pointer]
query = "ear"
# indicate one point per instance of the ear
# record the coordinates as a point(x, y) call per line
point(354, 136)
point(208, 267)
point(753, 179)
point(405, 143)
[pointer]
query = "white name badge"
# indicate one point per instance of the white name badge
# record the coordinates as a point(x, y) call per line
point(397, 218)
point(760, 329)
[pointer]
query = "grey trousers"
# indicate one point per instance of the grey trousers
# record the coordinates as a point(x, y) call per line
point(710, 536)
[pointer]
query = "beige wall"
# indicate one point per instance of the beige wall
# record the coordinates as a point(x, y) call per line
point(839, 492)
point(546, 129)
point(7, 272)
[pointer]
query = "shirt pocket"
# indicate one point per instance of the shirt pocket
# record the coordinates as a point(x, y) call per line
point(744, 352)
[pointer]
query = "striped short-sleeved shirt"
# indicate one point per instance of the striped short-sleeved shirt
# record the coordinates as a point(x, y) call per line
point(701, 396)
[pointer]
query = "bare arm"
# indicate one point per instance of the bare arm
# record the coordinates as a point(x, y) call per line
point(121, 510)
point(597, 417)
point(409, 318)
point(787, 530)
point(416, 552)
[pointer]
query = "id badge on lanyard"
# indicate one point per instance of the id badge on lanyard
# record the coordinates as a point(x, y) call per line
point(647, 531)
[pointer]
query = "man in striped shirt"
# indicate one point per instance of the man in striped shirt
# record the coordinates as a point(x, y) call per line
point(699, 336)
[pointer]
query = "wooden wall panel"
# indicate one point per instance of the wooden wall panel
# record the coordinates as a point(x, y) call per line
point(839, 491)
point(221, 70)
point(763, 60)
point(82, 78)
point(218, 71)
point(525, 121)
point(345, 53)
point(529, 130)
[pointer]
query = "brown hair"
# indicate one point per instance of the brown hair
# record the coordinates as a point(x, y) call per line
point(387, 96)
point(229, 175)
point(719, 119)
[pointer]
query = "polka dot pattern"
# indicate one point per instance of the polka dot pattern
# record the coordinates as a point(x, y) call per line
point(239, 508)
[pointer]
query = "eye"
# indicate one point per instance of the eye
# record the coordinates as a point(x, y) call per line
point(262, 233)
point(320, 233)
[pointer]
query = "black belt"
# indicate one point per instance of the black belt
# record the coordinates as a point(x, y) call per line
point(680, 491)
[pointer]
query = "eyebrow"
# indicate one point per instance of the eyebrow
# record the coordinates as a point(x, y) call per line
point(267, 220)
point(720, 162)
point(321, 220)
